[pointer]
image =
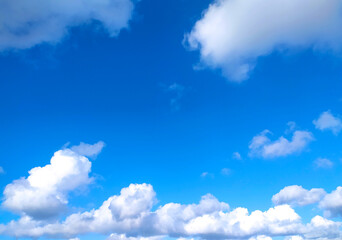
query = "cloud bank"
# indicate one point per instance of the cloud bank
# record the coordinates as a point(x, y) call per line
point(133, 214)
point(24, 24)
point(233, 34)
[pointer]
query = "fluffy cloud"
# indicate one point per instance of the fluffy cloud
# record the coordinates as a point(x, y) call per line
point(133, 201)
point(327, 121)
point(262, 146)
point(209, 219)
point(130, 215)
point(24, 24)
point(321, 228)
point(43, 194)
point(232, 34)
point(298, 196)
point(332, 203)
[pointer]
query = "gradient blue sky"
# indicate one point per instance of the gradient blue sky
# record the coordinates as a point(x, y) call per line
point(164, 120)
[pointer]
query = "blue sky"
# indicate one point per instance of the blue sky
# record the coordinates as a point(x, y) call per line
point(188, 97)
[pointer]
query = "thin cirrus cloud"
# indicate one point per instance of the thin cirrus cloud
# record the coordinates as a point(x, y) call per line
point(130, 215)
point(328, 122)
point(324, 163)
point(262, 146)
point(230, 38)
point(24, 24)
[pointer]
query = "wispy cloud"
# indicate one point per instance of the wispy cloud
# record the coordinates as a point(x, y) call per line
point(177, 92)
point(25, 24)
point(323, 163)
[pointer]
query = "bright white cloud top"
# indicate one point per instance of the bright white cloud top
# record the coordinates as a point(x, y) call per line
point(327, 121)
point(24, 24)
point(44, 193)
point(298, 196)
point(130, 215)
point(233, 34)
point(262, 146)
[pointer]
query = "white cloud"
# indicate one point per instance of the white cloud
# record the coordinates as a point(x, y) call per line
point(88, 150)
point(130, 215)
point(115, 236)
point(133, 201)
point(43, 194)
point(262, 146)
point(204, 174)
point(233, 34)
point(209, 219)
point(327, 121)
point(24, 24)
point(298, 196)
point(296, 237)
point(321, 228)
point(261, 237)
point(239, 223)
point(332, 203)
point(323, 163)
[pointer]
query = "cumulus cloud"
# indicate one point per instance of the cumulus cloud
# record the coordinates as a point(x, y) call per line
point(262, 146)
point(323, 163)
point(322, 228)
point(43, 194)
point(133, 201)
point(24, 24)
point(209, 219)
point(133, 214)
point(298, 196)
point(328, 121)
point(233, 34)
point(332, 203)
